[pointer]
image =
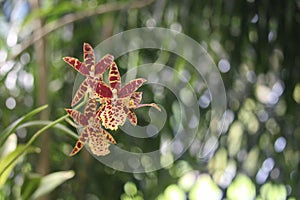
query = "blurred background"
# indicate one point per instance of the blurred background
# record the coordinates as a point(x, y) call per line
point(255, 45)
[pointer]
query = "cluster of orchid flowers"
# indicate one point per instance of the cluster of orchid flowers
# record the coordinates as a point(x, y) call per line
point(107, 105)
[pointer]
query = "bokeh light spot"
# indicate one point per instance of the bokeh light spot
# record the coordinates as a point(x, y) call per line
point(206, 189)
point(268, 164)
point(224, 65)
point(280, 144)
point(10, 103)
point(241, 188)
point(3, 55)
point(296, 93)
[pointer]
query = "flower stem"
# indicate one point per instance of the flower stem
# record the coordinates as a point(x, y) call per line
point(39, 132)
point(32, 139)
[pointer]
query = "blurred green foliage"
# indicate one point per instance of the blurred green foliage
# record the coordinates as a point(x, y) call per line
point(253, 43)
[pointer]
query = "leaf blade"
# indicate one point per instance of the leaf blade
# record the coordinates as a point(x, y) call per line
point(8, 162)
point(51, 181)
point(10, 129)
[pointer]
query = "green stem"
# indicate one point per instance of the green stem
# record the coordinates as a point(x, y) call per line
point(32, 139)
point(44, 123)
point(10, 129)
point(39, 132)
point(71, 123)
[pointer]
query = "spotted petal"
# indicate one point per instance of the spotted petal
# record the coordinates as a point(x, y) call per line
point(103, 90)
point(78, 117)
point(89, 57)
point(90, 108)
point(103, 64)
point(135, 99)
point(113, 114)
point(98, 145)
point(80, 142)
point(80, 92)
point(78, 146)
point(131, 87)
point(99, 141)
point(92, 85)
point(99, 130)
point(132, 117)
point(76, 64)
point(114, 77)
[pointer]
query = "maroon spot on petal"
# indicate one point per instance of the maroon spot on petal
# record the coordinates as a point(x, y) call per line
point(79, 145)
point(113, 78)
point(74, 150)
point(113, 67)
point(87, 47)
point(114, 72)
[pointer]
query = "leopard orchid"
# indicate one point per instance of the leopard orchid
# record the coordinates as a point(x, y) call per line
point(99, 139)
point(116, 102)
point(119, 101)
point(88, 68)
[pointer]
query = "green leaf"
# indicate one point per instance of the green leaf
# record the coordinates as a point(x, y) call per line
point(10, 129)
point(8, 162)
point(25, 148)
point(9, 145)
point(51, 181)
point(30, 185)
